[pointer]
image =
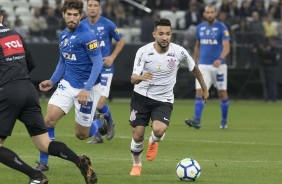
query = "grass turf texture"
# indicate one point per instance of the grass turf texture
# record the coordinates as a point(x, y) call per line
point(248, 152)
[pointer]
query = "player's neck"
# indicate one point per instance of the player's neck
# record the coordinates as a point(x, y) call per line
point(211, 22)
point(93, 20)
point(159, 49)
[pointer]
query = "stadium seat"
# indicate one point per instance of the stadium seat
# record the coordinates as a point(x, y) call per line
point(169, 15)
point(6, 3)
point(180, 17)
point(35, 3)
point(21, 3)
point(22, 11)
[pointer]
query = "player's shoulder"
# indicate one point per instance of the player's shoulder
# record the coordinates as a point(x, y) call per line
point(84, 21)
point(106, 21)
point(220, 24)
point(176, 48)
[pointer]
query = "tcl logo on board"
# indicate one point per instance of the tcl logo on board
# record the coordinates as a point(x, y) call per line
point(12, 45)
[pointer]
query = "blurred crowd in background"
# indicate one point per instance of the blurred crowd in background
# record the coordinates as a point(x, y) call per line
point(247, 20)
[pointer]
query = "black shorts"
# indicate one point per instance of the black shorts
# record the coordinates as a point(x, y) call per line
point(19, 100)
point(142, 109)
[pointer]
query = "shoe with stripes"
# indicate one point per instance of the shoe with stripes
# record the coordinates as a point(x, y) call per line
point(40, 180)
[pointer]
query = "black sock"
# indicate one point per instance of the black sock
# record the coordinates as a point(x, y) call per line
point(61, 150)
point(12, 160)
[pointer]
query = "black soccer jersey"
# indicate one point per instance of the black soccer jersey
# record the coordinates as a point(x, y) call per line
point(15, 59)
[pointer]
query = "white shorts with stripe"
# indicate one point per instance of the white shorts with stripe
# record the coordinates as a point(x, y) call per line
point(214, 76)
point(106, 81)
point(64, 97)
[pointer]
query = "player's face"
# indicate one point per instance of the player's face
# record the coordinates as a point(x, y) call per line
point(210, 14)
point(162, 35)
point(93, 8)
point(72, 18)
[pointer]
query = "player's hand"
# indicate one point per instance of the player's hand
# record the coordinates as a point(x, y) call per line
point(46, 85)
point(82, 97)
point(146, 76)
point(108, 61)
point(205, 95)
point(217, 63)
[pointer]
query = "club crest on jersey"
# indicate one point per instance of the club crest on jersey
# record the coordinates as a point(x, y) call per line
point(117, 31)
point(92, 45)
point(171, 63)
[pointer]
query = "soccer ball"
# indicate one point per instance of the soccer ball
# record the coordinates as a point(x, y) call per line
point(188, 170)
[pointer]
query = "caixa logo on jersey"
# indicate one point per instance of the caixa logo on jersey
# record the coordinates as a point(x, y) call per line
point(69, 56)
point(12, 45)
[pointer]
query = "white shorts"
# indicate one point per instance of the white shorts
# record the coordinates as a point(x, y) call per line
point(64, 97)
point(214, 76)
point(106, 81)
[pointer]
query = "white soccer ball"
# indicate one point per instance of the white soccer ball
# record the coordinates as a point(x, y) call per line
point(188, 170)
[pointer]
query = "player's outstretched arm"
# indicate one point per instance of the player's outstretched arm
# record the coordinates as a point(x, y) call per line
point(199, 77)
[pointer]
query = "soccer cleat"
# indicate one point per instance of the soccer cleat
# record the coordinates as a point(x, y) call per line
point(193, 123)
point(96, 140)
point(223, 125)
point(41, 166)
point(40, 180)
point(88, 173)
point(111, 131)
point(152, 151)
point(136, 170)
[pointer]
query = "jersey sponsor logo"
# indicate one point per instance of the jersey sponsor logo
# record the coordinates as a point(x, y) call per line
point(171, 54)
point(117, 31)
point(209, 41)
point(102, 44)
point(226, 33)
point(150, 54)
point(4, 30)
point(12, 45)
point(92, 45)
point(69, 56)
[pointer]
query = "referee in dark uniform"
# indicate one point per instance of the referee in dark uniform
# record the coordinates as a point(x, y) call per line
point(19, 100)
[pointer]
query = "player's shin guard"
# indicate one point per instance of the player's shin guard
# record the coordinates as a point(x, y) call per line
point(96, 124)
point(107, 113)
point(12, 160)
point(44, 157)
point(136, 150)
point(199, 106)
point(61, 150)
point(224, 104)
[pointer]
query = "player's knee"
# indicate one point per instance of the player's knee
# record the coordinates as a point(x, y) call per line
point(138, 138)
point(81, 136)
point(49, 122)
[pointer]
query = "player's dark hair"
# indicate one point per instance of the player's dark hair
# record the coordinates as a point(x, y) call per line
point(162, 22)
point(73, 4)
point(95, 0)
point(210, 6)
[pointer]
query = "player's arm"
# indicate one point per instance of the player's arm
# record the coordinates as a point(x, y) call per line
point(119, 46)
point(197, 52)
point(226, 49)
point(198, 75)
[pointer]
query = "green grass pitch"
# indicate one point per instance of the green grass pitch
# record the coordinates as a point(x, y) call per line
point(248, 152)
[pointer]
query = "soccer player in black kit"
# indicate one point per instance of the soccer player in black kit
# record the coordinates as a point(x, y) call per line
point(19, 100)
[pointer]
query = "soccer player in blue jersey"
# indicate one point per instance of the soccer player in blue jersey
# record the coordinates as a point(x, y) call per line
point(105, 30)
point(210, 53)
point(77, 72)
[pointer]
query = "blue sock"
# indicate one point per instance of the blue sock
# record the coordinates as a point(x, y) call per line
point(96, 124)
point(44, 156)
point(199, 106)
point(224, 104)
point(106, 111)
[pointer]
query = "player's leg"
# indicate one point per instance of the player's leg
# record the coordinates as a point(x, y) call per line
point(160, 116)
point(84, 115)
point(221, 85)
point(199, 102)
point(59, 105)
point(136, 149)
point(139, 119)
point(59, 149)
point(102, 107)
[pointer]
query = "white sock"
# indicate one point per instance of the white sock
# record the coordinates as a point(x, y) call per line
point(154, 139)
point(136, 147)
